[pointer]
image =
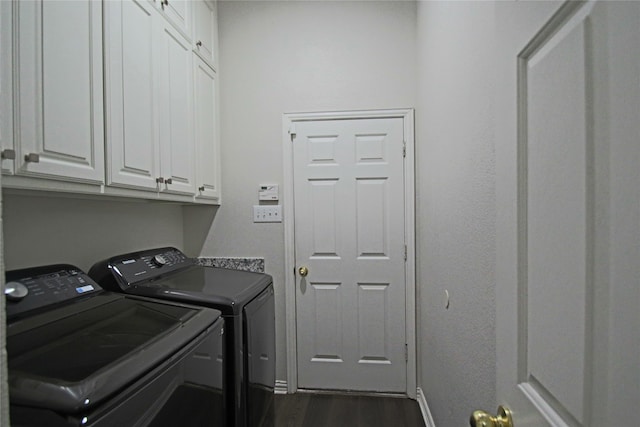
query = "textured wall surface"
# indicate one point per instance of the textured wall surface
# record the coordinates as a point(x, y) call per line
point(456, 208)
point(286, 57)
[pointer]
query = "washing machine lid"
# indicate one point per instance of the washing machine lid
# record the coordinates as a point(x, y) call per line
point(167, 273)
point(74, 357)
point(224, 289)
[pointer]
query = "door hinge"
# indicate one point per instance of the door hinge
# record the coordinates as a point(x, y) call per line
point(404, 148)
point(405, 252)
point(292, 131)
point(406, 352)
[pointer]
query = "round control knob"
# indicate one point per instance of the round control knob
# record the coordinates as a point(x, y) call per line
point(15, 291)
point(159, 260)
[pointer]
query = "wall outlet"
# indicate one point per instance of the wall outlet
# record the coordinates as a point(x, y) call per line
point(267, 213)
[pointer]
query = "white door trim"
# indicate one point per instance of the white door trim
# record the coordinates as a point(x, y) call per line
point(289, 120)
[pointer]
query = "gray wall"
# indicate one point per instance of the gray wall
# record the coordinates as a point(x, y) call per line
point(456, 208)
point(52, 229)
point(279, 57)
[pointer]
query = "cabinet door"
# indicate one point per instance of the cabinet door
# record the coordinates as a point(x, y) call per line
point(60, 93)
point(177, 159)
point(207, 137)
point(178, 12)
point(132, 137)
point(205, 30)
point(6, 88)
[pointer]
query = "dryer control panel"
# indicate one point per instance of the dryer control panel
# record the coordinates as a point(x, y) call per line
point(33, 288)
point(138, 267)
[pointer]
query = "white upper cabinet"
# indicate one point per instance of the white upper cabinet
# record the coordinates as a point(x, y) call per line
point(178, 12)
point(150, 141)
point(133, 153)
point(177, 163)
point(205, 31)
point(101, 95)
point(207, 132)
point(58, 89)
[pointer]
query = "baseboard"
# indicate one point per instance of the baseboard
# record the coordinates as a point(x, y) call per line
point(424, 408)
point(281, 387)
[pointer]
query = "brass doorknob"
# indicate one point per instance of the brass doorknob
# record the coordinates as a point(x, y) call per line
point(303, 271)
point(483, 419)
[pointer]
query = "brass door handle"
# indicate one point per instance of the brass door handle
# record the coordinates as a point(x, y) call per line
point(483, 419)
point(303, 271)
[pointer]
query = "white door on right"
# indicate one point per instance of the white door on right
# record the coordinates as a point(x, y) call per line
point(568, 226)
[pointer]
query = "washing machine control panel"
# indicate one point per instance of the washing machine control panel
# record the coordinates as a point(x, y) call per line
point(142, 266)
point(33, 288)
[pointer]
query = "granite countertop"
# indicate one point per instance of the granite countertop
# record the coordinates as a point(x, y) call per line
point(255, 265)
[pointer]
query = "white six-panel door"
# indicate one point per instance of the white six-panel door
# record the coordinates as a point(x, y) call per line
point(349, 234)
point(568, 226)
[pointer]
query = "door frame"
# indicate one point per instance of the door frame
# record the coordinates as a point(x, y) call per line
point(288, 127)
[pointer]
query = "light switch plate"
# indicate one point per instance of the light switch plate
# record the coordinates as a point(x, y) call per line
point(267, 213)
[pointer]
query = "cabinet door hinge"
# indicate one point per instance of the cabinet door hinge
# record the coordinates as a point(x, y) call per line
point(405, 252)
point(404, 148)
point(406, 352)
point(292, 131)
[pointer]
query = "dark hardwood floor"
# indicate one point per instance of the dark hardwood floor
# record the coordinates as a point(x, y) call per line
point(336, 410)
